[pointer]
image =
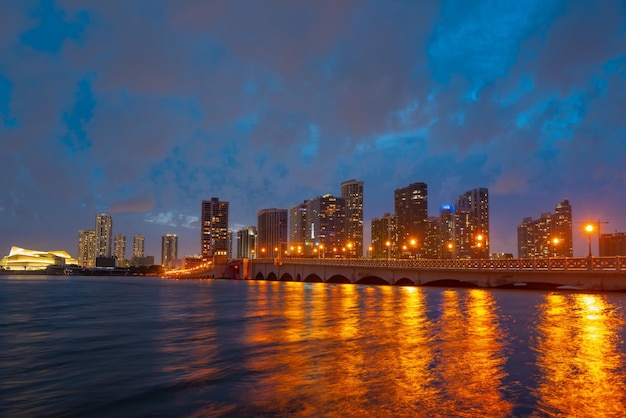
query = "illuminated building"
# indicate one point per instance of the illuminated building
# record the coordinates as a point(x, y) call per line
point(138, 246)
point(169, 250)
point(447, 232)
point(326, 224)
point(87, 248)
point(119, 248)
point(432, 245)
point(272, 231)
point(21, 259)
point(297, 223)
point(411, 209)
point(352, 193)
point(104, 237)
point(246, 242)
point(214, 228)
point(548, 236)
point(384, 231)
point(472, 224)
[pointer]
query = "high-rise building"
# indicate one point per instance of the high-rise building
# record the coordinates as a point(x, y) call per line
point(352, 193)
point(447, 232)
point(104, 235)
point(138, 246)
point(411, 208)
point(272, 232)
point(169, 250)
point(548, 236)
point(472, 224)
point(246, 242)
point(119, 248)
point(612, 245)
point(87, 248)
point(214, 228)
point(297, 224)
point(563, 229)
point(384, 236)
point(326, 225)
point(432, 247)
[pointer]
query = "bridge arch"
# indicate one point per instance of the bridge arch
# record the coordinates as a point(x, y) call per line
point(286, 278)
point(313, 278)
point(259, 276)
point(298, 278)
point(404, 282)
point(338, 278)
point(272, 277)
point(372, 280)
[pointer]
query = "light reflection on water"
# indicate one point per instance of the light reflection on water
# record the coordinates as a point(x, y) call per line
point(137, 347)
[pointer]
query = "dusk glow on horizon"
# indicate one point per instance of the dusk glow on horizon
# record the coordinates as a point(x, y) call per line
point(144, 109)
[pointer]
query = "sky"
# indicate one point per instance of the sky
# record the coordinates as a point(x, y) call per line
point(144, 108)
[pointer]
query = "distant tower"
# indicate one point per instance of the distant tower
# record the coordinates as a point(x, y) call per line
point(246, 242)
point(352, 193)
point(447, 232)
point(472, 224)
point(384, 236)
point(169, 250)
point(411, 207)
point(272, 231)
point(87, 248)
point(104, 236)
point(119, 248)
point(214, 238)
point(326, 224)
point(138, 246)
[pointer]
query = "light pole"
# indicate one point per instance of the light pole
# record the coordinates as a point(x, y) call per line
point(369, 251)
point(479, 245)
point(589, 230)
point(388, 245)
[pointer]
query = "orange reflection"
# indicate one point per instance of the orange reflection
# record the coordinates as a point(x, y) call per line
point(472, 365)
point(579, 357)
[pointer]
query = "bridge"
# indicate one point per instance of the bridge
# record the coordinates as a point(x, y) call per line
point(582, 273)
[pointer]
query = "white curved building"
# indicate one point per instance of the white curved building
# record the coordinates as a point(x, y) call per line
point(32, 260)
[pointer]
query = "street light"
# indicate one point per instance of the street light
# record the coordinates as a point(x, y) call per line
point(450, 248)
point(388, 245)
point(479, 244)
point(555, 242)
point(369, 251)
point(589, 230)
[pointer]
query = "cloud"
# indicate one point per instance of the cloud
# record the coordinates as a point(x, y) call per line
point(53, 29)
point(133, 204)
point(76, 120)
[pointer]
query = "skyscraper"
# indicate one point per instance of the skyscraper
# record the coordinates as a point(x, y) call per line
point(272, 231)
point(563, 229)
point(138, 246)
point(214, 238)
point(352, 193)
point(87, 248)
point(447, 231)
point(472, 224)
point(411, 207)
point(246, 242)
point(326, 225)
point(297, 223)
point(119, 248)
point(104, 235)
point(169, 250)
point(384, 236)
point(548, 236)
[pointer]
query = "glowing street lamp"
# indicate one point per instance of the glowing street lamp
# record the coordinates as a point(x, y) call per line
point(479, 244)
point(589, 229)
point(369, 251)
point(388, 245)
point(450, 249)
point(555, 242)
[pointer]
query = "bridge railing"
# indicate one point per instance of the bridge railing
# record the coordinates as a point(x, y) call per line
point(605, 264)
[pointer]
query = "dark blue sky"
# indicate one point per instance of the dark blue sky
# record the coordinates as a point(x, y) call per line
point(144, 108)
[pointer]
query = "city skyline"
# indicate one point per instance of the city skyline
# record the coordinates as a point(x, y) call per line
point(267, 104)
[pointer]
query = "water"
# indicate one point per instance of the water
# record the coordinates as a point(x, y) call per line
point(117, 346)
